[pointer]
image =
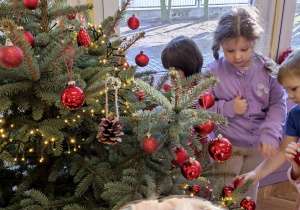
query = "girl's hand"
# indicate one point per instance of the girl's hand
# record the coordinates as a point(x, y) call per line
point(249, 175)
point(267, 150)
point(290, 152)
point(240, 105)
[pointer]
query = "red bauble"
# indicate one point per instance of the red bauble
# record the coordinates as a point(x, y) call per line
point(141, 59)
point(205, 129)
point(238, 182)
point(297, 157)
point(83, 38)
point(11, 56)
point(72, 16)
point(141, 96)
point(194, 189)
point(284, 55)
point(166, 87)
point(206, 100)
point(181, 156)
point(31, 4)
point(133, 22)
point(191, 169)
point(72, 97)
point(248, 203)
point(126, 65)
point(227, 191)
point(150, 144)
point(220, 149)
point(28, 36)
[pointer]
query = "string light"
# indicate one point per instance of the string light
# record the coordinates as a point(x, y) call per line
point(41, 159)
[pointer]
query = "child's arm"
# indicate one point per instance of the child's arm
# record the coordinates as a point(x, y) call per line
point(269, 165)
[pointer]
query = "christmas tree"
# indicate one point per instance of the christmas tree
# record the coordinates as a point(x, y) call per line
point(77, 125)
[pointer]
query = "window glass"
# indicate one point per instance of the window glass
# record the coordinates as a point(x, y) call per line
point(295, 41)
point(187, 18)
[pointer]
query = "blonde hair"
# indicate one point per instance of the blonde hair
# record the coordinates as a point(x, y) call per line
point(290, 66)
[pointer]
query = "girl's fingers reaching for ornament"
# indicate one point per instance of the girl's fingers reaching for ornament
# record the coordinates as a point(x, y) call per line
point(290, 150)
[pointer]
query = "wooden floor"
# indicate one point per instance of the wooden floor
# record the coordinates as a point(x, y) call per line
point(280, 196)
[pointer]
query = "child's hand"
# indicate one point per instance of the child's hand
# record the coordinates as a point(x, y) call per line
point(267, 150)
point(240, 105)
point(249, 175)
point(290, 153)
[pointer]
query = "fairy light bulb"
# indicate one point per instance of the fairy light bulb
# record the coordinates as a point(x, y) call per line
point(30, 150)
point(31, 132)
point(72, 141)
point(41, 159)
point(12, 125)
point(46, 142)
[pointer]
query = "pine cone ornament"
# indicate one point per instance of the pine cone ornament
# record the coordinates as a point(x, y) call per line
point(110, 131)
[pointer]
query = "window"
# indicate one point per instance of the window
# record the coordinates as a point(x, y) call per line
point(187, 19)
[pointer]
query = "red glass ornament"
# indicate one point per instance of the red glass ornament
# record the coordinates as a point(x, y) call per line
point(133, 22)
point(141, 96)
point(284, 55)
point(28, 36)
point(227, 191)
point(83, 37)
point(141, 59)
point(206, 100)
point(195, 189)
point(166, 87)
point(248, 203)
point(205, 129)
point(297, 157)
point(181, 156)
point(191, 169)
point(31, 4)
point(238, 182)
point(72, 16)
point(72, 97)
point(150, 144)
point(220, 149)
point(11, 56)
point(126, 65)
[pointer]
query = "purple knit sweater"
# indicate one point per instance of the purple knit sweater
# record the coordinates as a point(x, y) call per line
point(266, 113)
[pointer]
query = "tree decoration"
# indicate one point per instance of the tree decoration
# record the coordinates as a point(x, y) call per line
point(220, 149)
point(133, 22)
point(181, 156)
point(141, 59)
point(166, 87)
point(191, 169)
point(284, 55)
point(28, 36)
point(31, 4)
point(227, 191)
point(72, 97)
point(150, 144)
point(238, 183)
point(205, 129)
point(206, 100)
point(248, 204)
point(110, 131)
point(83, 37)
point(141, 96)
point(11, 56)
point(109, 128)
point(71, 16)
point(126, 65)
point(297, 156)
